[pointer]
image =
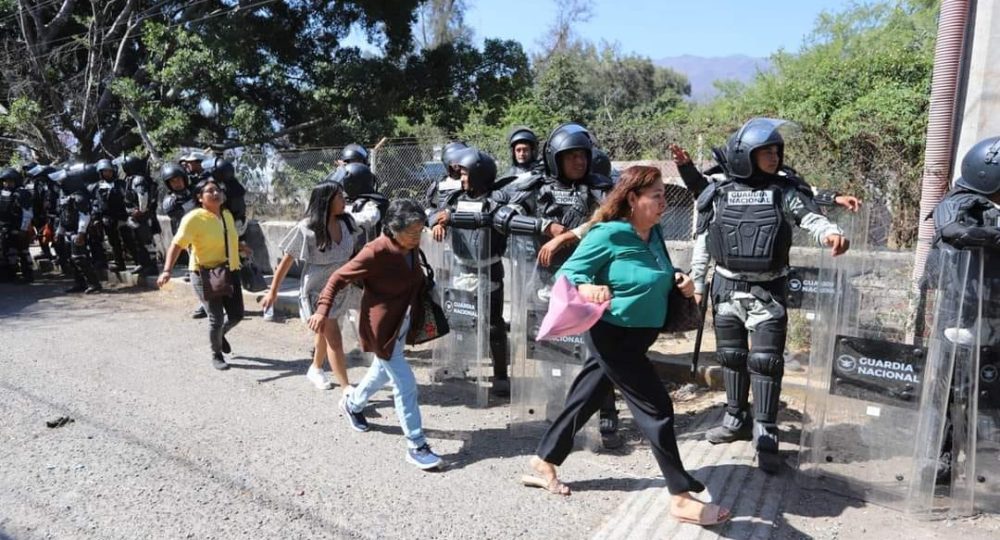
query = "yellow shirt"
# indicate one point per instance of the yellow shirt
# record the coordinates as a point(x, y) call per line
point(201, 232)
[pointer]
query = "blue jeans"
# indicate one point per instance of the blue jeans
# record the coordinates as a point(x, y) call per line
point(397, 371)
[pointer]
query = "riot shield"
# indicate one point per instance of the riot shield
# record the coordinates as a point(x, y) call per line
point(805, 287)
point(541, 371)
point(461, 264)
point(974, 407)
point(876, 388)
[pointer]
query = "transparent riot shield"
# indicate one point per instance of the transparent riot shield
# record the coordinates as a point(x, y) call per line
point(805, 287)
point(461, 264)
point(876, 387)
point(541, 371)
point(974, 408)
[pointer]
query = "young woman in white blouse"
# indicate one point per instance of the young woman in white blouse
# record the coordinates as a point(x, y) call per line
point(322, 242)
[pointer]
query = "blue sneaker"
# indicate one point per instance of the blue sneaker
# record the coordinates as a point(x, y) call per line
point(423, 457)
point(357, 420)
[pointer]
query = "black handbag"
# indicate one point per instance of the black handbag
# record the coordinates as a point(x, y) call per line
point(683, 314)
point(434, 322)
point(215, 282)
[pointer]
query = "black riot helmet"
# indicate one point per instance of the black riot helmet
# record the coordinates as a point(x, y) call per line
point(75, 178)
point(981, 167)
point(564, 138)
point(600, 163)
point(522, 134)
point(41, 170)
point(10, 174)
point(451, 151)
point(134, 166)
point(755, 133)
point(219, 168)
point(172, 170)
point(354, 153)
point(481, 168)
point(356, 178)
point(105, 165)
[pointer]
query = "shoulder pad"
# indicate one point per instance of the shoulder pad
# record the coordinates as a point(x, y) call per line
point(504, 181)
point(796, 180)
point(707, 196)
point(526, 181)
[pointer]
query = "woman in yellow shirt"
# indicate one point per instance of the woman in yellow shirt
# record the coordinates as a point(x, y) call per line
point(209, 230)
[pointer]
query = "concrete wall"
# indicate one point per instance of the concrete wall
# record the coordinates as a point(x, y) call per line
point(262, 237)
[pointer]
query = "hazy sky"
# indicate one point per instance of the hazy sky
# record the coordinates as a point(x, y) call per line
point(658, 28)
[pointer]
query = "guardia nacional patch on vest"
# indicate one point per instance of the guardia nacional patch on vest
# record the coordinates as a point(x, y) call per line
point(565, 198)
point(469, 206)
point(750, 198)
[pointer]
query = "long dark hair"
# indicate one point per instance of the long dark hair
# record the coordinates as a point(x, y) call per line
point(318, 212)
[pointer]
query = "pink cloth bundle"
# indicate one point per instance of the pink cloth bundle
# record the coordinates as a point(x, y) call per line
point(569, 313)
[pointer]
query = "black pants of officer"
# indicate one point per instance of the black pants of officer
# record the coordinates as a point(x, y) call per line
point(83, 268)
point(15, 254)
point(113, 229)
point(499, 349)
point(761, 364)
point(95, 242)
point(223, 314)
point(142, 246)
point(618, 360)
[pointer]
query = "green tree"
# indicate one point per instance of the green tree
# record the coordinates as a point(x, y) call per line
point(110, 75)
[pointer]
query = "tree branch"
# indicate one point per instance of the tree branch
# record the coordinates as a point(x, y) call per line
point(56, 24)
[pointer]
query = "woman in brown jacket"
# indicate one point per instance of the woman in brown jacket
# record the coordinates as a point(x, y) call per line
point(390, 270)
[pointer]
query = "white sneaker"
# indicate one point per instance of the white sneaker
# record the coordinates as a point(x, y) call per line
point(319, 378)
point(960, 336)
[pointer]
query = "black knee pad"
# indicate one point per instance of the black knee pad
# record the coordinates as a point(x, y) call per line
point(732, 358)
point(762, 363)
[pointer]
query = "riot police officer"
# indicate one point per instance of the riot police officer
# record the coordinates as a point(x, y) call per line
point(224, 171)
point(365, 205)
point(523, 144)
point(438, 191)
point(191, 163)
point(141, 194)
point(179, 199)
point(562, 198)
point(745, 224)
point(45, 198)
point(968, 218)
point(73, 224)
point(108, 215)
point(468, 211)
point(16, 213)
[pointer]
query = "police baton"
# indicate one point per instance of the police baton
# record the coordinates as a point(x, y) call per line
point(702, 308)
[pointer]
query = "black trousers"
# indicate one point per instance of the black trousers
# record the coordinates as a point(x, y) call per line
point(618, 359)
point(498, 333)
point(223, 314)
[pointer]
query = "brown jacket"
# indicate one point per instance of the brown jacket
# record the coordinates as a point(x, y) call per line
point(390, 287)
